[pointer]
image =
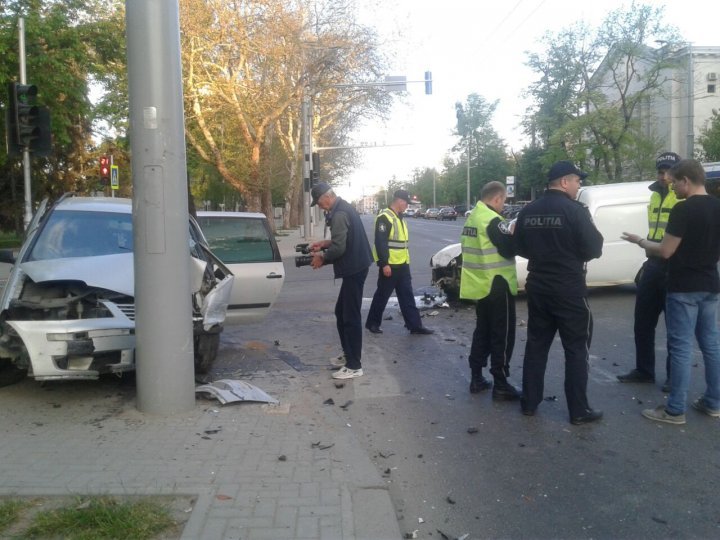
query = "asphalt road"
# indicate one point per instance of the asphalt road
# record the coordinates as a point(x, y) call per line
point(459, 464)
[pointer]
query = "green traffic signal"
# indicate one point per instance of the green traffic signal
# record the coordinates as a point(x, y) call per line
point(26, 113)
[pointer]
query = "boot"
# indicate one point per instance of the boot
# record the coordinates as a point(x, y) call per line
point(478, 383)
point(504, 391)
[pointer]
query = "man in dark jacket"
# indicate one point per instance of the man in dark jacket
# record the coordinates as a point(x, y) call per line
point(349, 252)
point(557, 236)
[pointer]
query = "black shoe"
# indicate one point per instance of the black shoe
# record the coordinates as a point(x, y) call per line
point(589, 416)
point(505, 391)
point(525, 409)
point(374, 329)
point(478, 384)
point(666, 387)
point(636, 376)
point(422, 330)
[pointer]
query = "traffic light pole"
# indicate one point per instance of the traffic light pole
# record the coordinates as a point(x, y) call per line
point(163, 310)
point(306, 115)
point(26, 151)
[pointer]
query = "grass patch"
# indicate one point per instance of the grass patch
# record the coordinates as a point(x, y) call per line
point(94, 518)
point(9, 240)
point(10, 512)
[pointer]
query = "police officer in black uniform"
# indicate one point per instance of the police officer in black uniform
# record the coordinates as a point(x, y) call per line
point(557, 236)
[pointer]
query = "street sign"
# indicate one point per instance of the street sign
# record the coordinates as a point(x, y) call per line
point(510, 180)
point(510, 191)
point(114, 177)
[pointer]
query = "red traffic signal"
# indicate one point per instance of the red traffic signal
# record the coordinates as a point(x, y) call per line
point(105, 167)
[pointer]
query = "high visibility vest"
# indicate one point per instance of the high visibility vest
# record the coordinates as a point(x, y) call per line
point(397, 239)
point(658, 214)
point(481, 261)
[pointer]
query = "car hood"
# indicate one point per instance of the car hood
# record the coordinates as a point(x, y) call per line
point(111, 272)
point(445, 255)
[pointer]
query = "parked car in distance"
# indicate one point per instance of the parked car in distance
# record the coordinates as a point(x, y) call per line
point(447, 212)
point(615, 208)
point(410, 212)
point(245, 243)
point(461, 209)
point(68, 310)
point(420, 213)
point(432, 213)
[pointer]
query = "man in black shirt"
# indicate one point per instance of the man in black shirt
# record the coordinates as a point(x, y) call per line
point(557, 236)
point(692, 246)
point(349, 252)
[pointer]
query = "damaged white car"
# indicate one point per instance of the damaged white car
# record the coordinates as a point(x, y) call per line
point(68, 312)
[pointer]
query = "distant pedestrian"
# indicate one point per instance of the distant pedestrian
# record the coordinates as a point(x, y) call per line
point(557, 236)
point(349, 252)
point(392, 255)
point(692, 246)
point(488, 276)
point(652, 284)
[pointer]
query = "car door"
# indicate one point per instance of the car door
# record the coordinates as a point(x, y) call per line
point(244, 242)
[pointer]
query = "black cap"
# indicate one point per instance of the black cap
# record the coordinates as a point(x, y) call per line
point(666, 160)
point(318, 190)
point(402, 194)
point(563, 168)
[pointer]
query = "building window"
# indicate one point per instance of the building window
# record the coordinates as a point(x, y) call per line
point(711, 88)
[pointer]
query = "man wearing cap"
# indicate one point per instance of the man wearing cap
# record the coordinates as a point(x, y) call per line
point(557, 236)
point(392, 256)
point(652, 283)
point(489, 278)
point(349, 252)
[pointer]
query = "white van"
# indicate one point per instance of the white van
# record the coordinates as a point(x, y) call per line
point(615, 208)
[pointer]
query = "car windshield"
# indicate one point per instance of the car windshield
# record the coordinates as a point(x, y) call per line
point(69, 233)
point(237, 239)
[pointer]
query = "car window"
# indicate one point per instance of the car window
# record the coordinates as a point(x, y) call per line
point(69, 233)
point(238, 239)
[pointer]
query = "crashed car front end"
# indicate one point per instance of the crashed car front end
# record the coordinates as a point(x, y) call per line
point(446, 266)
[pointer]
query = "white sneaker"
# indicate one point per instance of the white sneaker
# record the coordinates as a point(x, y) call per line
point(345, 373)
point(338, 361)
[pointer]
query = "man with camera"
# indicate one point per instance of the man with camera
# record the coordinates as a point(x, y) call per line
point(392, 256)
point(349, 252)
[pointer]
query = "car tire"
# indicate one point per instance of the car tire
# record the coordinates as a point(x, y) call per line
point(206, 349)
point(10, 374)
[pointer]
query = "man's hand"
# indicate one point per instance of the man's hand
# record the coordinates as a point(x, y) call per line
point(320, 245)
point(386, 270)
point(317, 261)
point(632, 238)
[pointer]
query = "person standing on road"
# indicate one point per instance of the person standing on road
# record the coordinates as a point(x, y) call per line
point(557, 236)
point(348, 250)
point(650, 295)
point(692, 246)
point(392, 256)
point(488, 276)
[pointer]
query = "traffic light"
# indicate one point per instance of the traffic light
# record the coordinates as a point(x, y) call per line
point(428, 82)
point(105, 169)
point(28, 126)
point(26, 113)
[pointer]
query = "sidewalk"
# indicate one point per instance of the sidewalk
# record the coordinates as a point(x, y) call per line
point(289, 471)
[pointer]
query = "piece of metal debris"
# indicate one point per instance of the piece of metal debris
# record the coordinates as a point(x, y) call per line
point(329, 401)
point(230, 391)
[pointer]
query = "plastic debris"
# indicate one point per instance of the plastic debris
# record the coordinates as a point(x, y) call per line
point(230, 391)
point(329, 401)
point(410, 535)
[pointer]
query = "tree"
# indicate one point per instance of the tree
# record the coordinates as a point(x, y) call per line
point(710, 138)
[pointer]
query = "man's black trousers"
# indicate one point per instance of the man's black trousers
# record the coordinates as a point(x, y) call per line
point(494, 334)
point(649, 304)
point(571, 317)
point(401, 282)
point(349, 319)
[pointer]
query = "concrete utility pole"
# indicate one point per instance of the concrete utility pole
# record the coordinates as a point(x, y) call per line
point(27, 217)
point(163, 310)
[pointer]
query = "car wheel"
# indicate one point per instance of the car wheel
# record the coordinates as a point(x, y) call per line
point(206, 349)
point(10, 374)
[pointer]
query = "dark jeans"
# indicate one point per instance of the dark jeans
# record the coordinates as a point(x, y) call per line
point(570, 316)
point(494, 334)
point(401, 282)
point(649, 304)
point(349, 319)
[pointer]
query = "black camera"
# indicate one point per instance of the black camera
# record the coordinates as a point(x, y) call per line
point(305, 259)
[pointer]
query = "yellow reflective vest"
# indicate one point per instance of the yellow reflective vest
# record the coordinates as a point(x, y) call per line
point(481, 261)
point(397, 239)
point(658, 214)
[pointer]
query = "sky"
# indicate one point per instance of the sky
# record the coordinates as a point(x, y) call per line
point(474, 46)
